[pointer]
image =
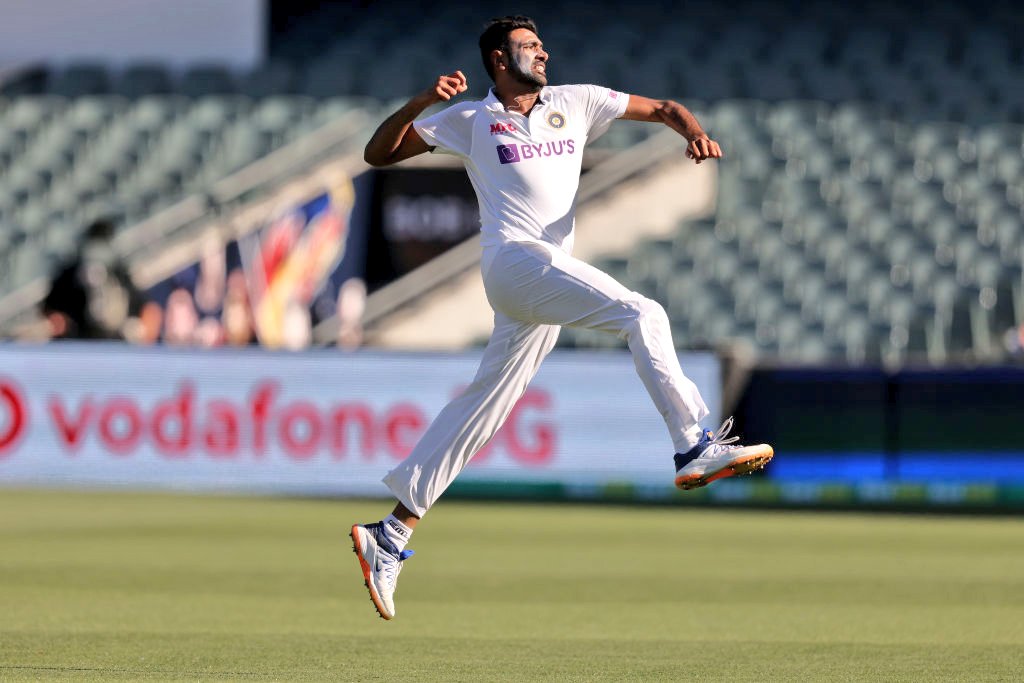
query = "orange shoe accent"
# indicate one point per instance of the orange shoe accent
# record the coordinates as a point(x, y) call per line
point(357, 549)
point(746, 465)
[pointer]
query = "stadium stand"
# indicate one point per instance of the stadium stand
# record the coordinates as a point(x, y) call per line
point(821, 247)
point(870, 207)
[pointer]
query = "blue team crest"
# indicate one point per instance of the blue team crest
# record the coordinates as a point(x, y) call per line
point(556, 119)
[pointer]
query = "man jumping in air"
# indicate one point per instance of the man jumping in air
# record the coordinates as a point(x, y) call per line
point(522, 146)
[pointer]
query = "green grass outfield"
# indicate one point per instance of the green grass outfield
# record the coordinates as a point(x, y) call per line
point(101, 586)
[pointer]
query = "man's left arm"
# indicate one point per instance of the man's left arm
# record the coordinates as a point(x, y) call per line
point(678, 118)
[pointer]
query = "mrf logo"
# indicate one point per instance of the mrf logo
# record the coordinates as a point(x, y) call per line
point(512, 154)
point(497, 128)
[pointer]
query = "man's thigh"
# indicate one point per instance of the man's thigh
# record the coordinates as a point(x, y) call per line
point(533, 282)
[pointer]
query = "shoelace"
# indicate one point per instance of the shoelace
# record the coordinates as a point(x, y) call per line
point(391, 567)
point(719, 439)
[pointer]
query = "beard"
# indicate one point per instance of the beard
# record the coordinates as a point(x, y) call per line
point(519, 67)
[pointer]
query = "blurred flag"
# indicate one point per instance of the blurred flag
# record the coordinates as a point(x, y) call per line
point(288, 262)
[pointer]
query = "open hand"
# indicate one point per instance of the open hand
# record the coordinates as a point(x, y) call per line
point(702, 147)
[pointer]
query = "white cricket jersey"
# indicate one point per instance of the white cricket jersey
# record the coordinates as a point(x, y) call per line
point(525, 170)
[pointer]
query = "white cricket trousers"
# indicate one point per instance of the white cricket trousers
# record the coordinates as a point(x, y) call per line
point(535, 288)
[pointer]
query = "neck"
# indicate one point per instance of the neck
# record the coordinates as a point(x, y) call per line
point(517, 97)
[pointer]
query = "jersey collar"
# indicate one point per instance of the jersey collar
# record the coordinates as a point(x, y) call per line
point(492, 103)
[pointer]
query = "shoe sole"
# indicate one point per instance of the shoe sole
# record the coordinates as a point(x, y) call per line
point(374, 598)
point(747, 464)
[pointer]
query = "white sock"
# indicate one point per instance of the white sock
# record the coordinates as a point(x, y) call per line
point(692, 436)
point(396, 532)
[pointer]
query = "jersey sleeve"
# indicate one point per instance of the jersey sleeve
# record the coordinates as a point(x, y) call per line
point(449, 131)
point(601, 106)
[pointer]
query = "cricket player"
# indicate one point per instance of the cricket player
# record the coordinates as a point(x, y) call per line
point(522, 146)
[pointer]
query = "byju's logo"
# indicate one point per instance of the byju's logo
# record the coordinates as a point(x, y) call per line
point(512, 154)
point(508, 154)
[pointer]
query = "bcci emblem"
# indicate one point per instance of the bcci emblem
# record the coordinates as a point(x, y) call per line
point(556, 120)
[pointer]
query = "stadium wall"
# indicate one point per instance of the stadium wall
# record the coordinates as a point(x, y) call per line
point(316, 423)
point(328, 423)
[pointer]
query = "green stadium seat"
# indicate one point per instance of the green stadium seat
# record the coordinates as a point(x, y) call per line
point(681, 290)
point(945, 165)
point(651, 266)
point(212, 113)
point(930, 137)
point(87, 115)
point(61, 240)
point(206, 79)
point(1006, 229)
point(78, 80)
point(27, 114)
point(993, 140)
point(1009, 167)
point(747, 290)
point(152, 113)
point(29, 263)
point(276, 78)
point(276, 118)
point(334, 78)
point(25, 185)
point(143, 79)
point(616, 266)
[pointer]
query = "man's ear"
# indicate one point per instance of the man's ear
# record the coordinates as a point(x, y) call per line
point(498, 59)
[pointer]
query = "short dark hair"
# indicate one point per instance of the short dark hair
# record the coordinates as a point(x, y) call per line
point(495, 36)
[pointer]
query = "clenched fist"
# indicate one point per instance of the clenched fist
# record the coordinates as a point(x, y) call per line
point(702, 147)
point(448, 86)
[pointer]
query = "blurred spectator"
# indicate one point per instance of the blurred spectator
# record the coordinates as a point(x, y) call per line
point(1013, 340)
point(93, 296)
point(351, 304)
point(146, 328)
point(209, 290)
point(180, 319)
point(236, 317)
point(209, 333)
point(297, 326)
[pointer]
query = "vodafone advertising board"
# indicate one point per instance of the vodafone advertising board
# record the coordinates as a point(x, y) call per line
point(319, 422)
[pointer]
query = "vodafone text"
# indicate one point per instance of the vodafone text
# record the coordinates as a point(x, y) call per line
point(185, 425)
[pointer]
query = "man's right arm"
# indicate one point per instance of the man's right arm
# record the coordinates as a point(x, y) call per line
point(678, 118)
point(396, 139)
